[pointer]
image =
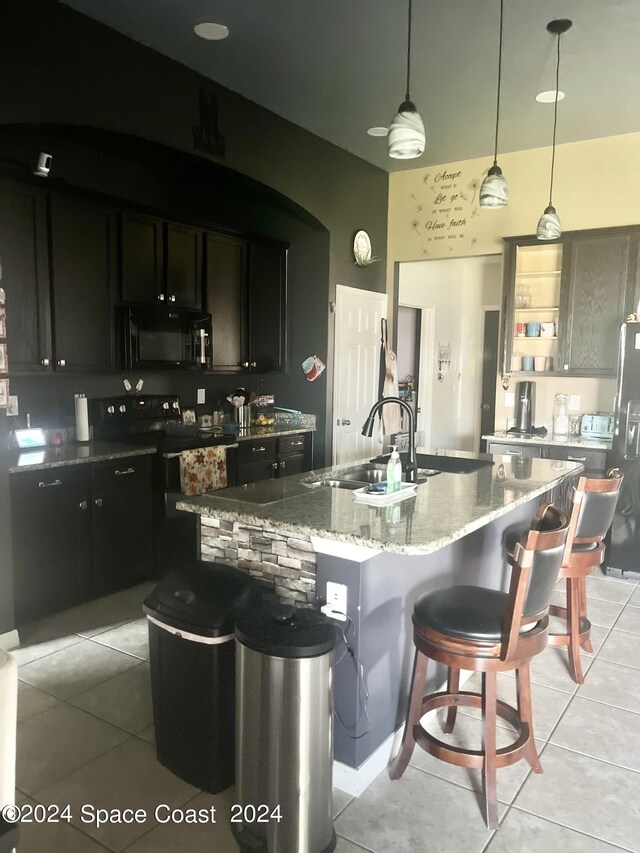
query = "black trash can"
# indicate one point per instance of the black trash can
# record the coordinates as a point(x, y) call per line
point(192, 658)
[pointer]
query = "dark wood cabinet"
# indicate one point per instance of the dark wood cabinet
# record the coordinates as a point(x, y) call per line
point(267, 306)
point(226, 299)
point(587, 293)
point(600, 284)
point(294, 454)
point(160, 261)
point(141, 258)
point(246, 287)
point(82, 263)
point(51, 540)
point(122, 524)
point(264, 459)
point(80, 531)
point(25, 276)
point(527, 451)
point(183, 265)
point(594, 460)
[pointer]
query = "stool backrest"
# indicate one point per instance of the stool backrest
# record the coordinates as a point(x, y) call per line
point(536, 562)
point(594, 505)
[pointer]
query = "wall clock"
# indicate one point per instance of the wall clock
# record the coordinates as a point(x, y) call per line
point(362, 249)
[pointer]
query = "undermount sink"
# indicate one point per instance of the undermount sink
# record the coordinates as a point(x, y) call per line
point(368, 474)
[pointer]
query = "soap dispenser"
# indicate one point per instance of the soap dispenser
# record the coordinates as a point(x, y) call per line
point(394, 470)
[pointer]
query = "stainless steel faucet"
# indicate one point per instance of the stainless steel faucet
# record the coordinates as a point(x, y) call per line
point(411, 467)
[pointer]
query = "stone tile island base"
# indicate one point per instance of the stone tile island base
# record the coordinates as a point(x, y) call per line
point(288, 561)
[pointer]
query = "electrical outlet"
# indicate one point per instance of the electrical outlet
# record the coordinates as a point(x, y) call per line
point(509, 399)
point(337, 596)
point(12, 408)
point(574, 403)
point(201, 396)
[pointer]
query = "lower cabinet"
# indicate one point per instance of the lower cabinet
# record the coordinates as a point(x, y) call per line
point(122, 524)
point(79, 531)
point(264, 459)
point(594, 460)
point(51, 540)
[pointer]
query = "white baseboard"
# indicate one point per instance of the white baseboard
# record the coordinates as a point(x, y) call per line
point(10, 640)
point(353, 780)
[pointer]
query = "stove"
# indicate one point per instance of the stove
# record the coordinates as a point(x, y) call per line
point(155, 420)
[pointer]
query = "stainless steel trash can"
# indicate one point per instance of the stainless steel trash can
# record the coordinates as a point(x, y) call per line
point(284, 736)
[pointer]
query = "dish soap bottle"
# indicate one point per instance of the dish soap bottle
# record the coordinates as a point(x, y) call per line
point(394, 470)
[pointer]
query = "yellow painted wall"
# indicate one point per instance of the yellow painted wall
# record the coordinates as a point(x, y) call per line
point(597, 185)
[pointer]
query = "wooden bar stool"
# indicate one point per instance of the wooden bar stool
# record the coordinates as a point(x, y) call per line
point(594, 505)
point(488, 631)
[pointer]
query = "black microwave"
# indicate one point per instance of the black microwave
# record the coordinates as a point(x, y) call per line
point(159, 337)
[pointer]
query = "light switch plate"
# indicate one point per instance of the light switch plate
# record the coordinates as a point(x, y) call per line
point(574, 403)
point(509, 399)
point(12, 408)
point(201, 396)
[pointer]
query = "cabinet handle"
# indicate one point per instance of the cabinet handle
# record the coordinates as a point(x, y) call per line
point(172, 297)
point(258, 449)
point(513, 452)
point(565, 367)
point(46, 362)
point(254, 364)
point(577, 458)
point(62, 362)
point(83, 505)
point(274, 466)
point(244, 364)
point(98, 502)
point(120, 473)
point(283, 463)
point(296, 444)
point(161, 297)
point(43, 485)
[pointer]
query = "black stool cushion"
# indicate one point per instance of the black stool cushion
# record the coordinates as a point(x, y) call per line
point(468, 612)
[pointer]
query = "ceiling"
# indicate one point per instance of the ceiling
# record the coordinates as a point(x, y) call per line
point(337, 67)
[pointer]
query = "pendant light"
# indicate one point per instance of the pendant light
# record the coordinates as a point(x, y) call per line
point(549, 227)
point(494, 192)
point(406, 138)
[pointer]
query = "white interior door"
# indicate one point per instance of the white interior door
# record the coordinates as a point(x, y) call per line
point(356, 370)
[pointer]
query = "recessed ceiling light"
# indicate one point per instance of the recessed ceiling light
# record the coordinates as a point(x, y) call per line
point(211, 32)
point(378, 131)
point(549, 97)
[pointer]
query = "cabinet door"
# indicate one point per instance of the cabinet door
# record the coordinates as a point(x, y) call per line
point(267, 306)
point(594, 461)
point(600, 272)
point(288, 465)
point(255, 471)
point(83, 275)
point(183, 265)
point(141, 258)
point(122, 536)
point(25, 276)
point(226, 294)
point(51, 540)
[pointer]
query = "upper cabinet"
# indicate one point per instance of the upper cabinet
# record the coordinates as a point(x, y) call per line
point(59, 277)
point(25, 276)
point(82, 264)
point(246, 290)
point(160, 261)
point(564, 301)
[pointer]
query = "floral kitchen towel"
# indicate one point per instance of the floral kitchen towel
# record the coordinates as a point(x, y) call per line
point(203, 470)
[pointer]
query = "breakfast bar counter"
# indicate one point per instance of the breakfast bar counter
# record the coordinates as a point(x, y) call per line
point(304, 531)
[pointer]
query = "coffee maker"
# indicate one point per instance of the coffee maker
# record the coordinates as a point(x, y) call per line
point(525, 404)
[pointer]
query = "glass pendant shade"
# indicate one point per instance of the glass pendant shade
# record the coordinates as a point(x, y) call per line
point(549, 227)
point(406, 138)
point(494, 191)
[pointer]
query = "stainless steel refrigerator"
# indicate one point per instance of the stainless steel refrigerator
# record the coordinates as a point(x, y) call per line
point(623, 545)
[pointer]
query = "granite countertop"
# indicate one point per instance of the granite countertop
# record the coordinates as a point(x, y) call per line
point(573, 441)
point(445, 508)
point(40, 458)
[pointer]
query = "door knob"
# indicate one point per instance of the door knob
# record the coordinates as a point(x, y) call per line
point(345, 422)
point(45, 362)
point(161, 297)
point(61, 362)
point(172, 297)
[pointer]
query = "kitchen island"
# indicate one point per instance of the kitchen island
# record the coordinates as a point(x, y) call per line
point(300, 532)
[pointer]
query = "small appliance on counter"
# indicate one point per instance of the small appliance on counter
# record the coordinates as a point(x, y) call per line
point(525, 405)
point(597, 425)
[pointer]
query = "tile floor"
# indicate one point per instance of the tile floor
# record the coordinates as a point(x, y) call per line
point(85, 735)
